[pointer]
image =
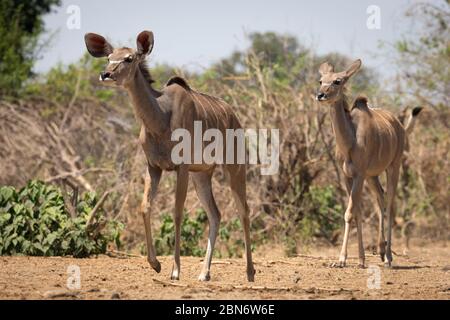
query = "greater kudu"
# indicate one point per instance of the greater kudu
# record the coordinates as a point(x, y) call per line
point(175, 106)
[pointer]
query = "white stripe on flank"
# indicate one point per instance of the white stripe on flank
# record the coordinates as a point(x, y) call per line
point(213, 110)
point(199, 102)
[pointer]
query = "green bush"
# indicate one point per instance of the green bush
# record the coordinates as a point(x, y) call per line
point(319, 219)
point(34, 221)
point(191, 234)
point(325, 216)
point(231, 236)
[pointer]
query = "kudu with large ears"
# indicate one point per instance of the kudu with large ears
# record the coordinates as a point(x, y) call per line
point(162, 112)
point(331, 83)
point(368, 142)
point(122, 62)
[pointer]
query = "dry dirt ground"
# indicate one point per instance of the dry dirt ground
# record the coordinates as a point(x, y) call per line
point(424, 273)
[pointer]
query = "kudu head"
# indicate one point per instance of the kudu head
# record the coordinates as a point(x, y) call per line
point(122, 62)
point(332, 83)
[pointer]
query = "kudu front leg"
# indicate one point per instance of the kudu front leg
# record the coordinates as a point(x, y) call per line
point(180, 197)
point(352, 210)
point(152, 178)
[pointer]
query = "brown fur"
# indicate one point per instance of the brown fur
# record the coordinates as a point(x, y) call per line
point(143, 68)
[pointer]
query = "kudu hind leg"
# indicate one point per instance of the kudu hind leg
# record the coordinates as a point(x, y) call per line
point(203, 187)
point(152, 179)
point(377, 191)
point(238, 189)
point(180, 197)
point(392, 181)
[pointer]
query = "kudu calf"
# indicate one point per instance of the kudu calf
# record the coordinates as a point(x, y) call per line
point(369, 141)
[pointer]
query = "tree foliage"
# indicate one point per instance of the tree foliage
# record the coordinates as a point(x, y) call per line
point(20, 26)
point(286, 61)
point(424, 58)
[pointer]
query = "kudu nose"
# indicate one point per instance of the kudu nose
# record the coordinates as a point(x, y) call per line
point(105, 75)
point(321, 96)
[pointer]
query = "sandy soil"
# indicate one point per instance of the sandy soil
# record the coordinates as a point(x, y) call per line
point(422, 274)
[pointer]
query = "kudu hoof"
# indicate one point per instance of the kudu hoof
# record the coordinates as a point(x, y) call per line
point(339, 264)
point(204, 277)
point(155, 265)
point(388, 262)
point(175, 275)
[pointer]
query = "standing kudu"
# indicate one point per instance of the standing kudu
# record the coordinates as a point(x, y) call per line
point(369, 141)
point(177, 106)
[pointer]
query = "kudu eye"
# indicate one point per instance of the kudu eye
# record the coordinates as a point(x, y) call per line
point(320, 82)
point(337, 82)
point(128, 59)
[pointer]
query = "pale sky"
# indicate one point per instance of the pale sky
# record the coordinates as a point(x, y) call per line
point(193, 34)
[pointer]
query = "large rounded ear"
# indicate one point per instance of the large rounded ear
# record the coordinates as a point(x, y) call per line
point(326, 68)
point(353, 68)
point(97, 45)
point(145, 42)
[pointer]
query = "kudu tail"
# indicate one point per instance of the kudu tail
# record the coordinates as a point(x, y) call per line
point(409, 126)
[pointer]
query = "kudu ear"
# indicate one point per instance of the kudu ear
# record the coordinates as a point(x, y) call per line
point(145, 42)
point(353, 68)
point(97, 45)
point(326, 68)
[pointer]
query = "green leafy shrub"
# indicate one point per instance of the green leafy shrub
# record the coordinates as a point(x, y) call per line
point(191, 234)
point(34, 221)
point(320, 219)
point(232, 239)
point(325, 216)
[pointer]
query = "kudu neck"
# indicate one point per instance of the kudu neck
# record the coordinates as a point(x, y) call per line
point(145, 105)
point(342, 126)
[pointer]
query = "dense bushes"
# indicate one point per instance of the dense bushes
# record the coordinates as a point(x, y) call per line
point(34, 221)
